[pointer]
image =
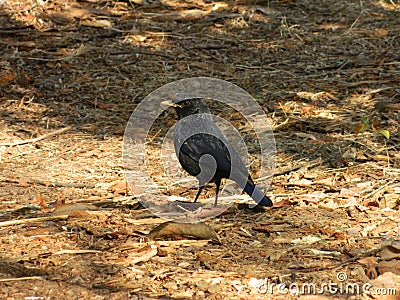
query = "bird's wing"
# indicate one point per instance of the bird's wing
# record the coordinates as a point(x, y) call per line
point(198, 136)
point(201, 144)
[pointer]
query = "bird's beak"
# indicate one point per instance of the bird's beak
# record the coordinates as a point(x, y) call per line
point(170, 103)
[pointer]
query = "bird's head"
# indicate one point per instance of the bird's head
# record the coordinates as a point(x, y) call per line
point(187, 106)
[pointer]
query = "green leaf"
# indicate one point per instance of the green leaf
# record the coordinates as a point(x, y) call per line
point(365, 120)
point(385, 133)
point(364, 127)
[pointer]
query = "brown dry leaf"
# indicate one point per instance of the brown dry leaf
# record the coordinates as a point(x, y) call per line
point(361, 127)
point(102, 105)
point(206, 212)
point(251, 2)
point(307, 110)
point(305, 95)
point(81, 215)
point(391, 200)
point(136, 190)
point(284, 203)
point(317, 96)
point(379, 33)
point(120, 188)
point(22, 183)
point(371, 263)
point(305, 135)
point(306, 240)
point(76, 12)
point(138, 37)
point(171, 228)
point(24, 79)
point(388, 282)
point(386, 106)
point(65, 209)
point(36, 232)
point(39, 200)
point(143, 254)
point(6, 77)
point(101, 23)
point(392, 266)
point(185, 15)
point(331, 96)
point(391, 251)
point(102, 218)
point(302, 182)
point(27, 44)
point(204, 257)
point(264, 228)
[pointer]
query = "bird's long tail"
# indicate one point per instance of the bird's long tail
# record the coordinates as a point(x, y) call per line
point(255, 193)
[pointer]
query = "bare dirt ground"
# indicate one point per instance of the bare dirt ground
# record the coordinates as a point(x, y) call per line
point(327, 73)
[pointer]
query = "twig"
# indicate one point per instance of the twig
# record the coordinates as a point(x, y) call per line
point(21, 278)
point(337, 265)
point(184, 243)
point(359, 143)
point(281, 124)
point(145, 221)
point(79, 251)
point(81, 49)
point(309, 164)
point(42, 137)
point(49, 183)
point(379, 189)
point(40, 219)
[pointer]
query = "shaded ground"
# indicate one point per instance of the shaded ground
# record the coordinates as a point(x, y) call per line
point(326, 72)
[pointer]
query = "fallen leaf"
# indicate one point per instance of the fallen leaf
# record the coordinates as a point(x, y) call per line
point(385, 133)
point(284, 203)
point(307, 110)
point(307, 240)
point(388, 283)
point(100, 23)
point(361, 127)
point(379, 33)
point(24, 79)
point(325, 253)
point(370, 263)
point(392, 266)
point(143, 254)
point(391, 251)
point(204, 257)
point(120, 188)
point(171, 228)
point(185, 15)
point(39, 199)
point(65, 209)
point(6, 77)
point(305, 135)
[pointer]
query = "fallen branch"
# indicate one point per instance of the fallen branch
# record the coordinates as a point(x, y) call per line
point(30, 220)
point(21, 278)
point(306, 165)
point(79, 251)
point(34, 140)
point(49, 183)
point(180, 243)
point(373, 252)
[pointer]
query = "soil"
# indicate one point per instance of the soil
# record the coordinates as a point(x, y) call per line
point(326, 73)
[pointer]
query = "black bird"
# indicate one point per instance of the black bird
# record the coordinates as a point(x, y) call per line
point(204, 151)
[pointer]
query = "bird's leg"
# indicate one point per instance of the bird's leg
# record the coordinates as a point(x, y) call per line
point(198, 193)
point(218, 184)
